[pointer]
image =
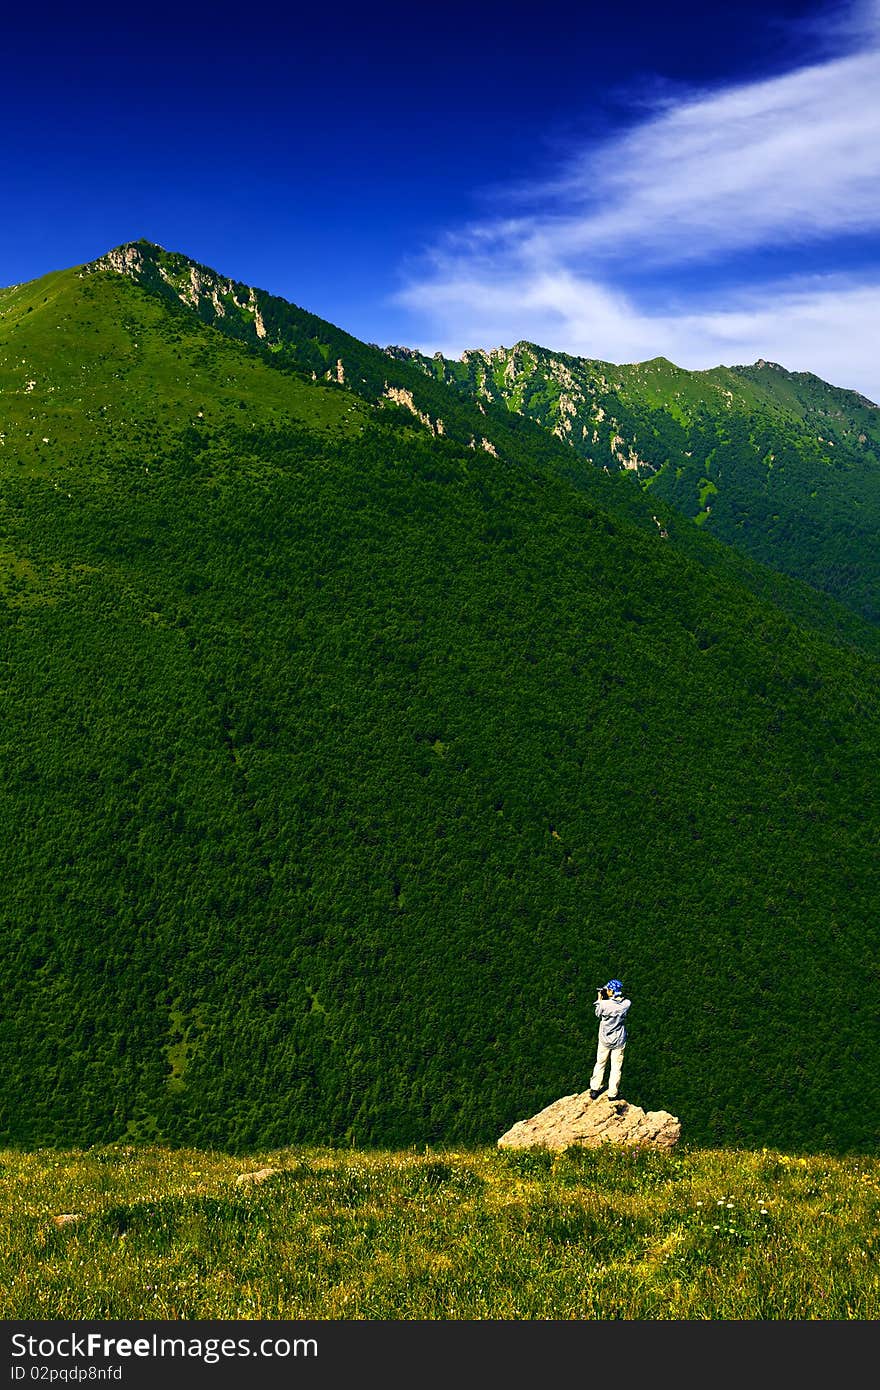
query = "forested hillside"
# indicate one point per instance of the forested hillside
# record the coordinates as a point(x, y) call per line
point(779, 464)
point(342, 758)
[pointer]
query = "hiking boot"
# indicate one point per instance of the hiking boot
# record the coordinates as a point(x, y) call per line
point(594, 1095)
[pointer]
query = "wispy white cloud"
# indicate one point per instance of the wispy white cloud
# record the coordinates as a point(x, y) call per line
point(847, 22)
point(788, 161)
point(794, 156)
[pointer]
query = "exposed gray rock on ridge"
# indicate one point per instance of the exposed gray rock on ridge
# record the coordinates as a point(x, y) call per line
point(590, 1123)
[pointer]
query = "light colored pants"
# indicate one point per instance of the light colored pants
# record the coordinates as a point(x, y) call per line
point(603, 1052)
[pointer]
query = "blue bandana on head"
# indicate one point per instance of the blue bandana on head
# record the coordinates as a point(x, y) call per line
point(614, 987)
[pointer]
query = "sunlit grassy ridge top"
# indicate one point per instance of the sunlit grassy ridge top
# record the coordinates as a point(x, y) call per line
point(91, 363)
point(439, 1234)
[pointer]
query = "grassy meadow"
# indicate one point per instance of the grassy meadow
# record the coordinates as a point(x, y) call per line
point(159, 1233)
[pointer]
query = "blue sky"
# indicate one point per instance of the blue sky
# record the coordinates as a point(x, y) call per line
point(620, 181)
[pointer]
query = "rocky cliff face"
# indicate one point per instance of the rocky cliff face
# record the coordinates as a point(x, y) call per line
point(401, 396)
point(199, 287)
point(571, 397)
point(239, 309)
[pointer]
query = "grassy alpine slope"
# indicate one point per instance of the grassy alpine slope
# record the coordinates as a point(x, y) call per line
point(343, 757)
point(449, 1234)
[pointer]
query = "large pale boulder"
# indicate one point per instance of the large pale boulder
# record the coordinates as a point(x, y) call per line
point(255, 1175)
point(579, 1120)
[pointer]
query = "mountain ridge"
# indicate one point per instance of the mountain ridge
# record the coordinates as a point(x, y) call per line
point(709, 443)
point(705, 442)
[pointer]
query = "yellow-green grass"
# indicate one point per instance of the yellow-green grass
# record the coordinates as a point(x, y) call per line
point(91, 365)
point(478, 1234)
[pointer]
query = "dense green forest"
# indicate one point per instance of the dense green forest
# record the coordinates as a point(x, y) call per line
point(343, 758)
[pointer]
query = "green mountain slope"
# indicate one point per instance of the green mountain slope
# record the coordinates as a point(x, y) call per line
point(342, 760)
point(779, 464)
point(512, 421)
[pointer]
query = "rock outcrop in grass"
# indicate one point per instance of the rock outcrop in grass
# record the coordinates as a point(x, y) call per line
point(579, 1120)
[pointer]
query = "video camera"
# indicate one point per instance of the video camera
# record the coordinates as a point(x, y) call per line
point(603, 993)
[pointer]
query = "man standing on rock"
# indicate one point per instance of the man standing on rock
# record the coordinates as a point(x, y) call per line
point(611, 1011)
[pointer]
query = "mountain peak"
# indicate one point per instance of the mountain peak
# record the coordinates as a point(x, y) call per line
point(139, 246)
point(198, 286)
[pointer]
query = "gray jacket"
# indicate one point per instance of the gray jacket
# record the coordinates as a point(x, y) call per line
point(611, 1014)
